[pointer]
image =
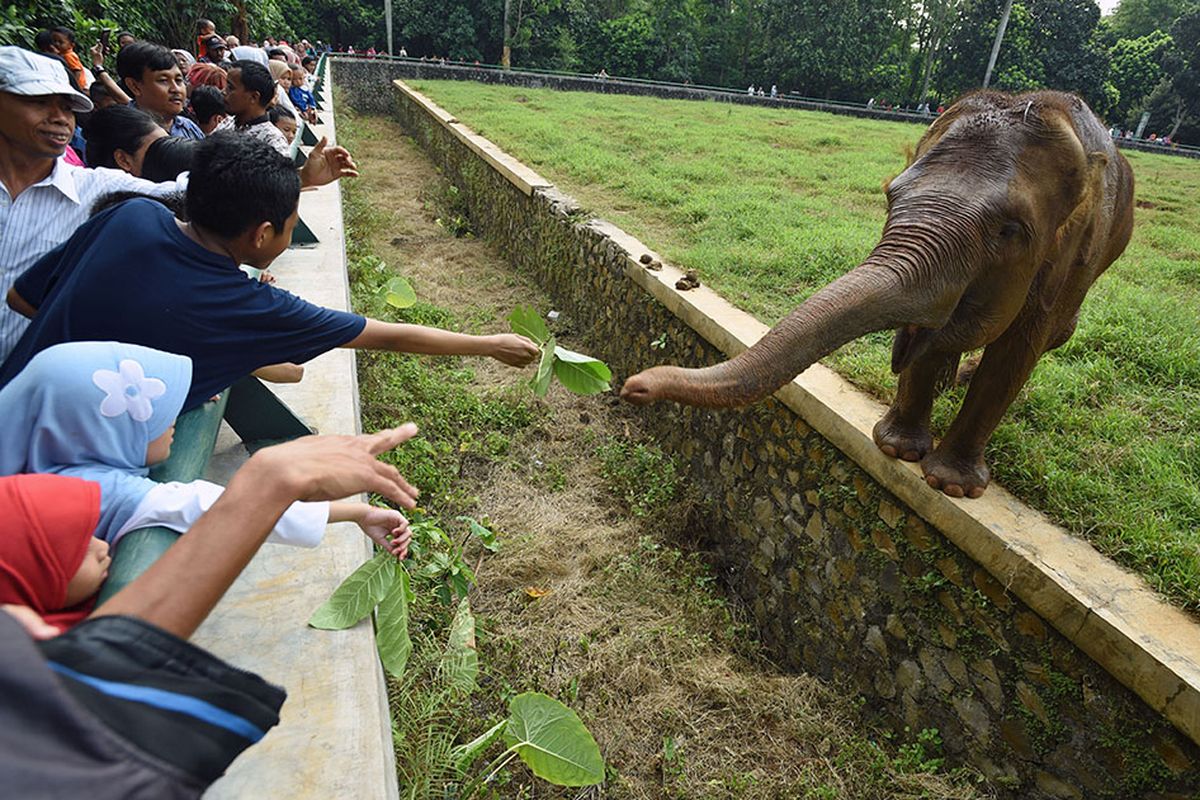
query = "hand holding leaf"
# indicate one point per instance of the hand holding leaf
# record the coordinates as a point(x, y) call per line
point(579, 373)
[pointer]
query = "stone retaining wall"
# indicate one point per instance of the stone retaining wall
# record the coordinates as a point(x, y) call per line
point(368, 74)
point(854, 569)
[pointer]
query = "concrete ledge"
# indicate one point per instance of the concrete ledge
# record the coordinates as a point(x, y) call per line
point(1104, 612)
point(334, 738)
point(514, 171)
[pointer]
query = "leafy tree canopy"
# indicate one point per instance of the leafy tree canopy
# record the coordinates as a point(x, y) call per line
point(1136, 18)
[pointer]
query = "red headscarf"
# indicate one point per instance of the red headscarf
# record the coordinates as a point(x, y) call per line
point(46, 524)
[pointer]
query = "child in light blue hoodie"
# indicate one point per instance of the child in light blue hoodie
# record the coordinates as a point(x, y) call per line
point(105, 412)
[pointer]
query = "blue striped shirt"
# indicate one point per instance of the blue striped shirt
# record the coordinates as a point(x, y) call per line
point(45, 215)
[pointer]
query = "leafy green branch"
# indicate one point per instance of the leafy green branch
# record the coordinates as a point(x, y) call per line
point(544, 734)
point(579, 373)
point(383, 585)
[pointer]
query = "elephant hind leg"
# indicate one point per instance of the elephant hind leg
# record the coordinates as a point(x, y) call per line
point(903, 432)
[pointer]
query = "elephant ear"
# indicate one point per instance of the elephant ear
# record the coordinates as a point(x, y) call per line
point(1089, 198)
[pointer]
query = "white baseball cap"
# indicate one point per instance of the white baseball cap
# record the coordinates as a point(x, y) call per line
point(33, 75)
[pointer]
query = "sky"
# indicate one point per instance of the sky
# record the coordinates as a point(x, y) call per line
point(1106, 6)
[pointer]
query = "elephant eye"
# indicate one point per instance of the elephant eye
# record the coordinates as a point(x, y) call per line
point(1010, 230)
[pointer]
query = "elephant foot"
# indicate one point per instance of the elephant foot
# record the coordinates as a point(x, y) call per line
point(954, 475)
point(898, 440)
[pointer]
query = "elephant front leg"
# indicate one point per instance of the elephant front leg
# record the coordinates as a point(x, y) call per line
point(957, 466)
point(903, 432)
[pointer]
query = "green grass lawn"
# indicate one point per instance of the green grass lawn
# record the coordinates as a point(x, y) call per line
point(769, 205)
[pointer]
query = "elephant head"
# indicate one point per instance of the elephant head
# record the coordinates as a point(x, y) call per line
point(991, 194)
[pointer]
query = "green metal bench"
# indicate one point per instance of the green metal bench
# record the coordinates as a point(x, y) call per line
point(256, 415)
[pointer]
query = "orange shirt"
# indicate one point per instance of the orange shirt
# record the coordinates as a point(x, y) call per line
point(76, 67)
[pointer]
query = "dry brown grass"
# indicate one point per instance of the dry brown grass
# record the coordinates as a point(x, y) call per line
point(632, 631)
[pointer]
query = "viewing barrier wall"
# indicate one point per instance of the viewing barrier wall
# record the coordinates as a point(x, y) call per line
point(386, 70)
point(1040, 662)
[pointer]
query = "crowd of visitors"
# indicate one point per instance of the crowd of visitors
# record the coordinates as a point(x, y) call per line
point(135, 205)
point(1135, 136)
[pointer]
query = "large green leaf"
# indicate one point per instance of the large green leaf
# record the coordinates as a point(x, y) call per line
point(399, 293)
point(391, 626)
point(579, 373)
point(357, 595)
point(465, 755)
point(461, 661)
point(552, 741)
point(527, 322)
point(545, 370)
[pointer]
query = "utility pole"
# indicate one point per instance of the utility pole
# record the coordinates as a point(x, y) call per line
point(987, 76)
point(387, 15)
point(506, 55)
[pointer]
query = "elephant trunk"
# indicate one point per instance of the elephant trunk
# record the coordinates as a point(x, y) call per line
point(874, 296)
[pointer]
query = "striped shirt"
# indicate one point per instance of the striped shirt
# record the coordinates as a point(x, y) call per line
point(181, 126)
point(45, 215)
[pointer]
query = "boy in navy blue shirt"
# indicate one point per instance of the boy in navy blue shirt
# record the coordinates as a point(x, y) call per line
point(135, 274)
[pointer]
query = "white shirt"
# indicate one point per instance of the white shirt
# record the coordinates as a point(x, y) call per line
point(178, 505)
point(261, 129)
point(45, 215)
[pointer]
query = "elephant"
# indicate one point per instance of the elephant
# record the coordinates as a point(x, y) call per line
point(1008, 210)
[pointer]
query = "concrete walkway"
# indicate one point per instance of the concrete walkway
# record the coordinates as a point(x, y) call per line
point(334, 738)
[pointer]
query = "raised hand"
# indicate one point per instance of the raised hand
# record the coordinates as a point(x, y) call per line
point(327, 164)
point(332, 467)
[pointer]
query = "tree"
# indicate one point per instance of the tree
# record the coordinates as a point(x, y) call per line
point(1137, 68)
point(1136, 18)
point(969, 38)
point(1049, 44)
point(936, 22)
point(824, 50)
point(1073, 58)
point(1186, 81)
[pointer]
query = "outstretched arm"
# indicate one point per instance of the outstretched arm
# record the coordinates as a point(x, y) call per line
point(509, 348)
point(180, 589)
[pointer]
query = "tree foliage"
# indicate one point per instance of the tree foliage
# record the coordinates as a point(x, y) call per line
point(173, 23)
point(1134, 19)
point(900, 51)
point(1138, 66)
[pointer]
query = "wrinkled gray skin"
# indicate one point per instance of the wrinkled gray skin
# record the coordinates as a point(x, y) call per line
point(1010, 210)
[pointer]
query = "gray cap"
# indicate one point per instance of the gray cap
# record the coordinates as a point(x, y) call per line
point(33, 75)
